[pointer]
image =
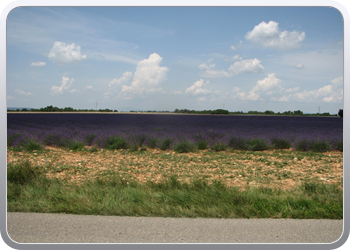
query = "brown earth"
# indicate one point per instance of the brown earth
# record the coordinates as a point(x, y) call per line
point(274, 168)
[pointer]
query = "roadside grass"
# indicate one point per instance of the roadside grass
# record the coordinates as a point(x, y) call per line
point(114, 191)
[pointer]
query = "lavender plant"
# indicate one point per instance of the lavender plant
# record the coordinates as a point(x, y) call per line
point(165, 131)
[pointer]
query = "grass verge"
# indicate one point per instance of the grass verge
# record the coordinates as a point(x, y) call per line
point(115, 195)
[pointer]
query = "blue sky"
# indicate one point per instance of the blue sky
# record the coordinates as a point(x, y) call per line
point(163, 58)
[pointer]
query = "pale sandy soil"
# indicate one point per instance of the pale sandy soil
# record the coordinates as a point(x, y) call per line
point(276, 169)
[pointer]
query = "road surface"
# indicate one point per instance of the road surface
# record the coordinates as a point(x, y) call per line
point(63, 228)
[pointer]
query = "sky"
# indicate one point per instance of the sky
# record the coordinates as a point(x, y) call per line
point(167, 58)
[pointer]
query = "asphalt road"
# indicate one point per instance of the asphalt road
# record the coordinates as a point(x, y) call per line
point(62, 228)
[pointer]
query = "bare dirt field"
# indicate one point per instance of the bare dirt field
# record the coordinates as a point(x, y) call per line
point(274, 168)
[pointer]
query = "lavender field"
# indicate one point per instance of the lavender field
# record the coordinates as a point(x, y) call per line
point(153, 130)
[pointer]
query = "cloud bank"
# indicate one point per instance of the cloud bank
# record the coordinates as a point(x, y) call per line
point(269, 35)
point(147, 79)
point(65, 85)
point(65, 54)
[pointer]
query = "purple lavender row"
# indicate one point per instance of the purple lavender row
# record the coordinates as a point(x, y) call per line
point(142, 129)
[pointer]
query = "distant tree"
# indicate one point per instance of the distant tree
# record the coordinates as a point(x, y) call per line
point(219, 111)
point(68, 109)
point(298, 112)
point(269, 112)
point(340, 112)
point(287, 112)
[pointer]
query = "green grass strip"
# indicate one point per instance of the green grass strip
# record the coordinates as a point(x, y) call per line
point(171, 198)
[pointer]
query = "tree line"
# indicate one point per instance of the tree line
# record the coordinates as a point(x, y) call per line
point(185, 111)
point(267, 112)
point(66, 109)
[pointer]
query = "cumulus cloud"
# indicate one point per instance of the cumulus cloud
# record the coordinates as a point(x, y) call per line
point(269, 35)
point(21, 92)
point(208, 71)
point(147, 78)
point(264, 89)
point(234, 58)
point(329, 93)
point(65, 85)
point(270, 88)
point(299, 66)
point(250, 66)
point(198, 88)
point(126, 78)
point(38, 64)
point(65, 54)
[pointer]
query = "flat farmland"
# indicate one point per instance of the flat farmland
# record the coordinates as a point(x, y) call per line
point(158, 154)
point(284, 169)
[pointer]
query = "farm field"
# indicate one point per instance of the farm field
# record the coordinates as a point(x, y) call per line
point(164, 131)
point(84, 174)
point(284, 169)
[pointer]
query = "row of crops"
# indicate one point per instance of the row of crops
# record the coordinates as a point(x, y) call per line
point(176, 132)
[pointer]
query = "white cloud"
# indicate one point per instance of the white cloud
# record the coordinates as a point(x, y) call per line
point(338, 82)
point(232, 47)
point(235, 89)
point(198, 88)
point(264, 89)
point(214, 73)
point(126, 78)
point(270, 88)
point(269, 35)
point(66, 84)
point(176, 92)
point(207, 71)
point(21, 92)
point(299, 66)
point(247, 67)
point(10, 97)
point(329, 93)
point(39, 64)
point(65, 54)
point(147, 77)
point(234, 58)
point(292, 90)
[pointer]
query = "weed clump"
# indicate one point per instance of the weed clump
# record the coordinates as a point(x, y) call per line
point(22, 173)
point(257, 144)
point(76, 145)
point(302, 145)
point(184, 147)
point(90, 138)
point(315, 146)
point(237, 143)
point(202, 145)
point(31, 145)
point(218, 147)
point(339, 146)
point(280, 143)
point(152, 142)
point(116, 142)
point(320, 146)
point(165, 144)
